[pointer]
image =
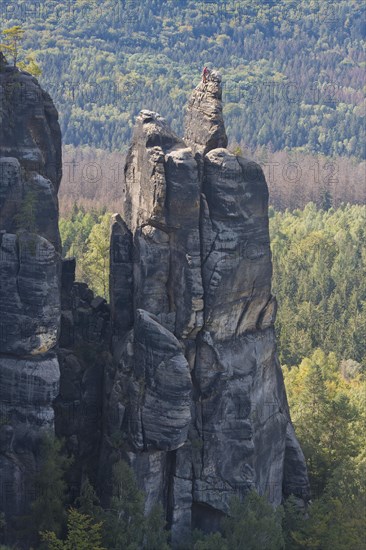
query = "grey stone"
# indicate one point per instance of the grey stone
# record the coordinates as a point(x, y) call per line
point(29, 294)
point(192, 299)
point(179, 376)
point(30, 157)
point(204, 125)
point(120, 279)
point(30, 270)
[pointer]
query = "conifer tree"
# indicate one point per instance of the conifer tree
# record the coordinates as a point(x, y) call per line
point(13, 38)
point(82, 534)
point(47, 510)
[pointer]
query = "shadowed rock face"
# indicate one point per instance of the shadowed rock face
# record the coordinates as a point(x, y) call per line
point(30, 172)
point(29, 294)
point(30, 156)
point(193, 396)
point(198, 396)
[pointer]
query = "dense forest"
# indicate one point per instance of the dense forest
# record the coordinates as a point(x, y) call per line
point(319, 276)
point(294, 83)
point(293, 71)
point(293, 86)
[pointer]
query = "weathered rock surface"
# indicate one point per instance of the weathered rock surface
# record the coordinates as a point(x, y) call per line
point(205, 128)
point(158, 387)
point(29, 294)
point(197, 395)
point(30, 156)
point(121, 276)
point(83, 357)
point(179, 375)
point(30, 172)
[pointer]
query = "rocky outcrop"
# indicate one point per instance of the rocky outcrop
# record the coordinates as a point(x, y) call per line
point(196, 397)
point(205, 128)
point(179, 374)
point(30, 156)
point(29, 294)
point(30, 172)
point(83, 355)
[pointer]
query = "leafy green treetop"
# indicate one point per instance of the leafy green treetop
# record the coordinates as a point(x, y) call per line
point(254, 524)
point(82, 534)
point(13, 38)
point(124, 521)
point(88, 502)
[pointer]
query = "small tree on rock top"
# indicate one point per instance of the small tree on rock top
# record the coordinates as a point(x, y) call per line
point(12, 45)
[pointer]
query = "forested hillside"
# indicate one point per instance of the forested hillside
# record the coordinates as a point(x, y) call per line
point(319, 280)
point(293, 71)
point(319, 265)
point(319, 275)
point(293, 84)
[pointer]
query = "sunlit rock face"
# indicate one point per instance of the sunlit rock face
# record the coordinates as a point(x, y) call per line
point(30, 173)
point(205, 128)
point(197, 397)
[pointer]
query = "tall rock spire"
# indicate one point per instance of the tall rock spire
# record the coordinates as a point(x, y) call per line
point(204, 124)
point(30, 268)
point(200, 356)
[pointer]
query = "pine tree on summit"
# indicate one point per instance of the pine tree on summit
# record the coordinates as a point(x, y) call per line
point(13, 38)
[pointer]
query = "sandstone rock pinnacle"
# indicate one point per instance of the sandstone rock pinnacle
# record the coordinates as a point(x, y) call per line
point(179, 374)
point(198, 331)
point(204, 125)
point(30, 268)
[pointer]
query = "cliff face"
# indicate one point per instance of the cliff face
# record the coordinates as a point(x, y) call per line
point(197, 399)
point(179, 375)
point(30, 173)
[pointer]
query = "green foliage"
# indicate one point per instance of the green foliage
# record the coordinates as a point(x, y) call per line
point(88, 502)
point(319, 263)
point(125, 525)
point(254, 524)
point(104, 61)
point(156, 535)
point(293, 520)
point(47, 510)
point(75, 230)
point(83, 534)
point(326, 412)
point(211, 542)
point(94, 262)
point(30, 65)
point(337, 519)
point(124, 520)
point(86, 236)
point(13, 39)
